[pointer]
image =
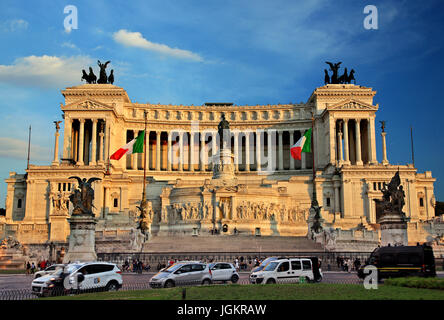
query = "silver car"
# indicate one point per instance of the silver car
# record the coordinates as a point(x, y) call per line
point(182, 273)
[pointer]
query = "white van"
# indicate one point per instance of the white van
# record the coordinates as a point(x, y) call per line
point(288, 270)
point(78, 277)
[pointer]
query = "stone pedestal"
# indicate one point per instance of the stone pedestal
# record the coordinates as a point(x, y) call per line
point(393, 230)
point(224, 165)
point(81, 239)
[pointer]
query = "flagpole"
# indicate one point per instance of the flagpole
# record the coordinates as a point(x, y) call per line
point(313, 158)
point(411, 138)
point(142, 218)
point(29, 147)
point(144, 162)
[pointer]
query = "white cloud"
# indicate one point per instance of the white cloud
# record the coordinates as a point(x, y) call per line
point(45, 71)
point(68, 44)
point(135, 39)
point(15, 25)
point(18, 149)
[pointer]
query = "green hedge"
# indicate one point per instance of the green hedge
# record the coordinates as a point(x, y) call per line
point(417, 282)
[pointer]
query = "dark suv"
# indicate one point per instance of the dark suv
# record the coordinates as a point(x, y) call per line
point(402, 261)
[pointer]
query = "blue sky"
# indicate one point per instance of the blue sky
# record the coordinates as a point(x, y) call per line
point(245, 52)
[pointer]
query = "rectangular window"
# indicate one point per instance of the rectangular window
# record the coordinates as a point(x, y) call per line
point(421, 202)
point(60, 187)
point(306, 265)
point(328, 202)
point(284, 266)
point(388, 259)
point(296, 265)
point(116, 202)
point(374, 186)
point(19, 203)
point(64, 186)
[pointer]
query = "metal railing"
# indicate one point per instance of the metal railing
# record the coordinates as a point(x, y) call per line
point(154, 259)
point(25, 294)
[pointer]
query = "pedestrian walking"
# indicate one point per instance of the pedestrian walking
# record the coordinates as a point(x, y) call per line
point(28, 268)
point(32, 268)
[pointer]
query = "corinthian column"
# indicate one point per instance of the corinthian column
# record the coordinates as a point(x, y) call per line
point(169, 151)
point(346, 151)
point(81, 139)
point(55, 162)
point(67, 139)
point(94, 143)
point(292, 162)
point(191, 150)
point(358, 142)
point(281, 150)
point(341, 158)
point(258, 151)
point(384, 149)
point(101, 149)
point(236, 151)
point(247, 151)
point(181, 157)
point(158, 150)
point(202, 153)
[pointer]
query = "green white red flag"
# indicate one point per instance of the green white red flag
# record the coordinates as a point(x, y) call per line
point(134, 146)
point(302, 145)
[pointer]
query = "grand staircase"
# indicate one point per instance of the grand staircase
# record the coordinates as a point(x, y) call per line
point(222, 243)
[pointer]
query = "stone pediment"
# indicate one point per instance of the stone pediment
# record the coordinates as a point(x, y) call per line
point(87, 104)
point(352, 104)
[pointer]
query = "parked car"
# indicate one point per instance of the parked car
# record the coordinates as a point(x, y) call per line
point(48, 270)
point(78, 277)
point(182, 273)
point(288, 270)
point(401, 261)
point(223, 271)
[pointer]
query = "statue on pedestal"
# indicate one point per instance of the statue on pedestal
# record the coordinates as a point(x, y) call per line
point(223, 128)
point(82, 223)
point(389, 215)
point(82, 198)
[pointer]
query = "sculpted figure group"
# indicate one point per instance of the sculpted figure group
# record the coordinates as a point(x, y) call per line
point(246, 210)
point(103, 78)
point(335, 78)
point(269, 211)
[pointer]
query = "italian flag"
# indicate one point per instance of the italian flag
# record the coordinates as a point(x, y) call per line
point(303, 145)
point(134, 146)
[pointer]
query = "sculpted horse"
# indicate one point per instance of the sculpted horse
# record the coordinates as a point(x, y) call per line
point(351, 77)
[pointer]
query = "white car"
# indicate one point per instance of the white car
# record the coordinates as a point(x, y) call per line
point(223, 271)
point(78, 277)
point(288, 270)
point(48, 270)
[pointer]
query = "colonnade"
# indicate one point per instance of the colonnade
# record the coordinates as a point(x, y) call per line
point(355, 141)
point(258, 150)
point(86, 141)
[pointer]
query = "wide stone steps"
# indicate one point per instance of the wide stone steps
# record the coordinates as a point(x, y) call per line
point(222, 243)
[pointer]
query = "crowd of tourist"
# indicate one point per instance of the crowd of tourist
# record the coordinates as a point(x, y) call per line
point(32, 267)
point(346, 264)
